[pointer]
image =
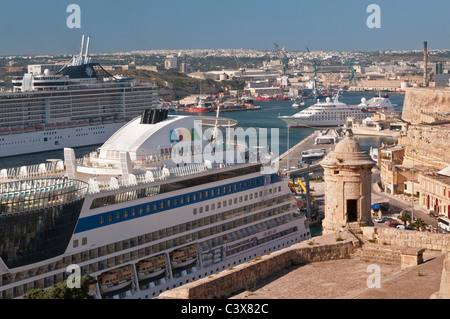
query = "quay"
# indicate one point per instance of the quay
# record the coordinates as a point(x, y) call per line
point(291, 160)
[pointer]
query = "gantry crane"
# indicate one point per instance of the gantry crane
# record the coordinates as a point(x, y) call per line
point(352, 70)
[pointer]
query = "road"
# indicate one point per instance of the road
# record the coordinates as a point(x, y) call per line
point(397, 204)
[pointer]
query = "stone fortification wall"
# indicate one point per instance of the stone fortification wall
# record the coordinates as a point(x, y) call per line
point(414, 239)
point(431, 143)
point(423, 101)
point(245, 276)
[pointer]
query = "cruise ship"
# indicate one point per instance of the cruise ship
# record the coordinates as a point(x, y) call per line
point(82, 104)
point(146, 212)
point(333, 113)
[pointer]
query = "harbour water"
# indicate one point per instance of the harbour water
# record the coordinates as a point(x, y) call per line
point(265, 118)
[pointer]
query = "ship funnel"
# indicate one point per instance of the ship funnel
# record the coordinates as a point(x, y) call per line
point(154, 116)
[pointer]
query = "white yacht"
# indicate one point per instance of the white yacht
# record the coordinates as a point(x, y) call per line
point(333, 113)
point(144, 213)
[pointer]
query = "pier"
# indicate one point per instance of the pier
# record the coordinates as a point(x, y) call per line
point(291, 161)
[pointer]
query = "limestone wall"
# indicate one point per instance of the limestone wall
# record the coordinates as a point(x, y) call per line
point(431, 144)
point(245, 276)
point(410, 238)
point(420, 101)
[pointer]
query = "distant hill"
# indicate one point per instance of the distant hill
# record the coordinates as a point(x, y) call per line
point(175, 85)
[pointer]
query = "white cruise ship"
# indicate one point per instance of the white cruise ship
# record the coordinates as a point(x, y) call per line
point(144, 213)
point(333, 113)
point(80, 105)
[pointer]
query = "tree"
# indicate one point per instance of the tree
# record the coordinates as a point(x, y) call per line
point(405, 217)
point(61, 291)
point(419, 224)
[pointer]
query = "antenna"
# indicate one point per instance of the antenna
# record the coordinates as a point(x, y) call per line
point(87, 49)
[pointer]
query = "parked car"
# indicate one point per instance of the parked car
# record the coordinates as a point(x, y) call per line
point(399, 226)
point(393, 223)
point(381, 220)
point(388, 219)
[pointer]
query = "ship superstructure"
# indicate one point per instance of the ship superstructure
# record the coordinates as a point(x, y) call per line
point(333, 113)
point(82, 104)
point(146, 212)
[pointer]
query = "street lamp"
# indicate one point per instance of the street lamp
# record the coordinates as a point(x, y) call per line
point(412, 186)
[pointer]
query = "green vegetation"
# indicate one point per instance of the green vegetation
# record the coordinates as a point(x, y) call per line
point(61, 291)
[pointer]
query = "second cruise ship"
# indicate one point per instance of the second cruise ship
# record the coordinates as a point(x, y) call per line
point(333, 113)
point(82, 104)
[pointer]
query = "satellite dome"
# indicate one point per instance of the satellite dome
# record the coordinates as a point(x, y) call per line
point(46, 72)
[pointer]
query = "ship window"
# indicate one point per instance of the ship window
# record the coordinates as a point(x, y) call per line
point(195, 211)
point(161, 205)
point(110, 217)
point(84, 241)
point(148, 209)
point(169, 203)
point(75, 243)
point(118, 215)
point(155, 207)
point(125, 213)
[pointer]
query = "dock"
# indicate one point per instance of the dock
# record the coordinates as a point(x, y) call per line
point(291, 160)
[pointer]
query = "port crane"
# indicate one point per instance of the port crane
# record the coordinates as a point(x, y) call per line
point(350, 67)
point(282, 57)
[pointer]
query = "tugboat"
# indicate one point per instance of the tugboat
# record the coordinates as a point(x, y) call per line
point(199, 108)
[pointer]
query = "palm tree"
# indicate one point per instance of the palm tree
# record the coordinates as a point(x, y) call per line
point(405, 217)
point(419, 224)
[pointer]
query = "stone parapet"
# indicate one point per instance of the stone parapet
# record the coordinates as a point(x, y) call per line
point(245, 276)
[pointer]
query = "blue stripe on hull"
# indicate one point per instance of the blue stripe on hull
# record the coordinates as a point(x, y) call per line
point(93, 222)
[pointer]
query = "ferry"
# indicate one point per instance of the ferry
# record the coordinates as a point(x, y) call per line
point(144, 213)
point(333, 113)
point(82, 104)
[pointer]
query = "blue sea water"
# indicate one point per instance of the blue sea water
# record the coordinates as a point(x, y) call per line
point(265, 118)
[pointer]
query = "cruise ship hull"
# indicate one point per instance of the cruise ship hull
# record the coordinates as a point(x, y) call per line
point(50, 140)
point(298, 122)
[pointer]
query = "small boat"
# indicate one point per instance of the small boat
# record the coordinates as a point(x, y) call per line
point(183, 256)
point(199, 108)
point(151, 267)
point(115, 279)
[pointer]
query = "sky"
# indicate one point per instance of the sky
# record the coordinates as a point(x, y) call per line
point(29, 27)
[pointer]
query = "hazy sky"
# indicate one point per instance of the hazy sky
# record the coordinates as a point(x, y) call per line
point(39, 27)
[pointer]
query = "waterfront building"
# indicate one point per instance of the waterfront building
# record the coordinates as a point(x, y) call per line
point(435, 192)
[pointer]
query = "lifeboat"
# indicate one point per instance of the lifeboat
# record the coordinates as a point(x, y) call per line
point(73, 124)
point(61, 125)
point(38, 127)
point(83, 123)
point(108, 120)
point(50, 126)
point(5, 131)
point(115, 279)
point(119, 119)
point(30, 129)
point(151, 267)
point(183, 256)
point(17, 130)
